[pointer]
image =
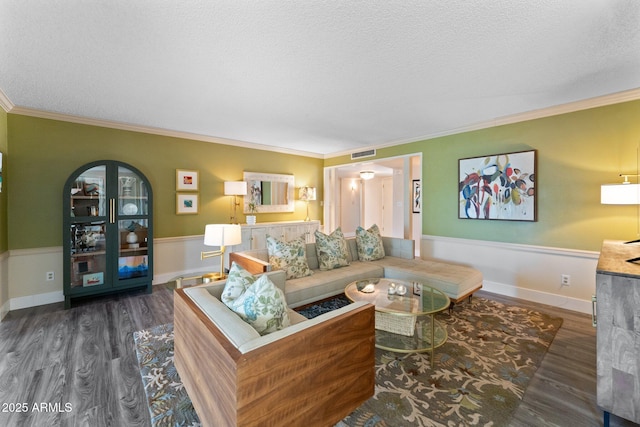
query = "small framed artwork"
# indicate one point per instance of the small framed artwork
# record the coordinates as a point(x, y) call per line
point(186, 204)
point(186, 180)
point(499, 186)
point(416, 196)
point(93, 279)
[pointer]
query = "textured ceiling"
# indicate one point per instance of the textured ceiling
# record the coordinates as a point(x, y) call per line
point(323, 76)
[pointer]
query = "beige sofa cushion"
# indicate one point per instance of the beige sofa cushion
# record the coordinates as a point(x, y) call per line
point(453, 279)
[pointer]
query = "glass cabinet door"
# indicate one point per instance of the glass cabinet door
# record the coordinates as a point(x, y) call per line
point(87, 229)
point(133, 225)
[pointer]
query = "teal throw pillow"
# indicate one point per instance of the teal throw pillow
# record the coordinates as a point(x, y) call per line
point(369, 243)
point(331, 250)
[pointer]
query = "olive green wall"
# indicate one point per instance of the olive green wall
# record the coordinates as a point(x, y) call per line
point(3, 196)
point(576, 153)
point(45, 152)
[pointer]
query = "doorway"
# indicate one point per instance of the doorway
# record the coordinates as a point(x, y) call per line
point(384, 199)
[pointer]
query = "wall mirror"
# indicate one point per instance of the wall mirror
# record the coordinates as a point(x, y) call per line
point(270, 192)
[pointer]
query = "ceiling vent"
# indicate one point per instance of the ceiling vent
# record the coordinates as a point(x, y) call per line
point(361, 154)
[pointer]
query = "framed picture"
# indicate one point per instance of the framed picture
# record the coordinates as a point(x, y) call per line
point(186, 204)
point(93, 279)
point(416, 196)
point(186, 180)
point(499, 186)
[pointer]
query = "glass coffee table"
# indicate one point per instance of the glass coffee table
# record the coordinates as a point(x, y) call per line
point(405, 322)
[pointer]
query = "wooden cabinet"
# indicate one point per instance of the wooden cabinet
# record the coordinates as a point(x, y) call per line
point(107, 230)
point(255, 236)
point(618, 330)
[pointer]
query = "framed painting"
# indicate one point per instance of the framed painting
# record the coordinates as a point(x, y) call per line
point(186, 204)
point(416, 196)
point(499, 186)
point(186, 180)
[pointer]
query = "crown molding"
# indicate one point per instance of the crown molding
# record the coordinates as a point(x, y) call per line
point(42, 114)
point(571, 107)
point(600, 101)
point(5, 102)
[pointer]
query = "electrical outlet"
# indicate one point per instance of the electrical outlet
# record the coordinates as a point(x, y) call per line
point(565, 280)
point(50, 276)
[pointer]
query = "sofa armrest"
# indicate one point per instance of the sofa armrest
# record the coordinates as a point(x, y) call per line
point(252, 264)
point(315, 376)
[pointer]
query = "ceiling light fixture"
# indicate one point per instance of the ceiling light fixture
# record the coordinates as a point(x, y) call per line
point(367, 174)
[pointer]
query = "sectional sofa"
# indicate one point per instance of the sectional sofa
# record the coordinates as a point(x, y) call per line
point(456, 281)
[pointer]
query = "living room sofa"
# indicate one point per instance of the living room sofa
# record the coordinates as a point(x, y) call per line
point(456, 281)
point(313, 372)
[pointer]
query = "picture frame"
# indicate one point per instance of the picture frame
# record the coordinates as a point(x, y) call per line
point(187, 180)
point(416, 196)
point(498, 187)
point(186, 203)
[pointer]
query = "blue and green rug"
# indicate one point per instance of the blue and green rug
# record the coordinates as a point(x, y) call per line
point(479, 378)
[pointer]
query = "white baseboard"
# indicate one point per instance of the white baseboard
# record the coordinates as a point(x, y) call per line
point(38, 299)
point(553, 300)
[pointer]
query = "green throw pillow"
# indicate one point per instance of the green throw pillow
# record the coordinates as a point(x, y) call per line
point(331, 250)
point(289, 256)
point(369, 243)
point(260, 303)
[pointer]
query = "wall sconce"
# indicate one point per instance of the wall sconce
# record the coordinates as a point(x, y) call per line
point(220, 235)
point(307, 194)
point(367, 175)
point(235, 189)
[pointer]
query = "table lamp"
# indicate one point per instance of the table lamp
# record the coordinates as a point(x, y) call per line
point(220, 235)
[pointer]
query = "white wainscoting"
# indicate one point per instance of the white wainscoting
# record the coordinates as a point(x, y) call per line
point(529, 272)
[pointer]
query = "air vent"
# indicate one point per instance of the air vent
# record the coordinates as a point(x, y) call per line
point(361, 154)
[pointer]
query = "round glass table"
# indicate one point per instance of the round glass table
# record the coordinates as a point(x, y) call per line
point(405, 313)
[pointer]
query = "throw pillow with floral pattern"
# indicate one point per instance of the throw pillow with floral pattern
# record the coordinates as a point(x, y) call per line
point(331, 250)
point(263, 306)
point(369, 243)
point(289, 256)
point(238, 281)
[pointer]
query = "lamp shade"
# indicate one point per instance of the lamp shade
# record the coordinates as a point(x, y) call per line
point(620, 194)
point(222, 234)
point(307, 193)
point(235, 188)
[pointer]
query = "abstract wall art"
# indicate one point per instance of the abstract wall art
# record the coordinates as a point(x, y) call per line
point(499, 186)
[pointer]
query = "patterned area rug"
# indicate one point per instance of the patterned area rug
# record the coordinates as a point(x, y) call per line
point(479, 378)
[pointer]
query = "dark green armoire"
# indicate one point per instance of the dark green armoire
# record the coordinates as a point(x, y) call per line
point(107, 230)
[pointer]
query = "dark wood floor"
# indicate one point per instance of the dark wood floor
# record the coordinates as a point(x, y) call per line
point(81, 364)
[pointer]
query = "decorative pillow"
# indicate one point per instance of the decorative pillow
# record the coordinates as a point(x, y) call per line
point(331, 250)
point(238, 281)
point(289, 256)
point(369, 243)
point(261, 304)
